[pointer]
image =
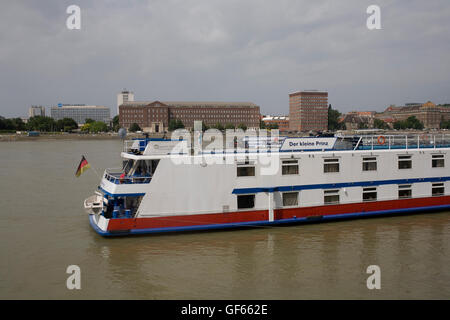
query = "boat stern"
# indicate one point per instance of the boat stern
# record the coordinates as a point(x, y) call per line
point(100, 224)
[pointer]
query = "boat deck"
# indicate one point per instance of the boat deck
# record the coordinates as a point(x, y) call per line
point(253, 144)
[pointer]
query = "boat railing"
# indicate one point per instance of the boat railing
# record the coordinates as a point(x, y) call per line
point(134, 146)
point(420, 141)
point(117, 176)
point(356, 142)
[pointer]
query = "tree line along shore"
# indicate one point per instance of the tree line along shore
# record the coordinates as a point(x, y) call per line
point(14, 129)
point(47, 124)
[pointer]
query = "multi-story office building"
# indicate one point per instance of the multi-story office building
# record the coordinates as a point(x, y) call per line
point(81, 112)
point(154, 116)
point(35, 111)
point(123, 97)
point(308, 110)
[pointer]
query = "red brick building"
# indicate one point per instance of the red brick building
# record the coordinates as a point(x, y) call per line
point(281, 121)
point(428, 113)
point(308, 110)
point(154, 116)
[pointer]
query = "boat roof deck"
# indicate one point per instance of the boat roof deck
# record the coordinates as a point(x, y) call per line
point(252, 144)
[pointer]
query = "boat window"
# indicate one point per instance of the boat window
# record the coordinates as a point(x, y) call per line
point(437, 161)
point(437, 189)
point(331, 165)
point(246, 201)
point(290, 199)
point(245, 169)
point(127, 165)
point(404, 191)
point(152, 164)
point(132, 203)
point(331, 196)
point(404, 162)
point(369, 194)
point(289, 167)
point(141, 168)
point(369, 164)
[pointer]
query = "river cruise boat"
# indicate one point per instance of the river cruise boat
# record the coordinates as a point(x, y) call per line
point(165, 187)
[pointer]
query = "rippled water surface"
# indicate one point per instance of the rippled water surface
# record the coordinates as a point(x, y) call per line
point(43, 229)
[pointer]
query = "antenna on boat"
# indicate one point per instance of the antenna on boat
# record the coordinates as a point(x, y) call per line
point(122, 133)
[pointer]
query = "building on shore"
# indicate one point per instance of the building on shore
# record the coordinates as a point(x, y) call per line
point(430, 114)
point(35, 111)
point(308, 110)
point(81, 112)
point(154, 116)
point(281, 121)
point(358, 119)
point(123, 97)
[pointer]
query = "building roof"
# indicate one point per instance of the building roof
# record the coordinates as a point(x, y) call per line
point(306, 92)
point(403, 108)
point(202, 104)
point(353, 118)
point(271, 118)
point(80, 107)
point(428, 104)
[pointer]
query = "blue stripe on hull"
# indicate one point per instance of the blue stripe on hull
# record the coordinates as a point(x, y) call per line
point(268, 223)
point(121, 194)
point(339, 185)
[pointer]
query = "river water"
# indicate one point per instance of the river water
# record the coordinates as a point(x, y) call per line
point(44, 229)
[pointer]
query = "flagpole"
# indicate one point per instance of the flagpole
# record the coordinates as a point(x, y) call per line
point(95, 171)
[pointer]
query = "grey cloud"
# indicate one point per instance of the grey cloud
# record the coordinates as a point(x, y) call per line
point(224, 50)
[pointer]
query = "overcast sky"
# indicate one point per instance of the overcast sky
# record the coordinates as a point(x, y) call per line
point(224, 50)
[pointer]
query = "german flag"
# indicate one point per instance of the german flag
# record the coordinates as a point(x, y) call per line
point(83, 166)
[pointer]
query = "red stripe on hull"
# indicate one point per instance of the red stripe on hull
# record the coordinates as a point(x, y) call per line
point(360, 207)
point(279, 214)
point(187, 220)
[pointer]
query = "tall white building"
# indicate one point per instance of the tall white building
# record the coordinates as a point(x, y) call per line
point(34, 111)
point(124, 96)
point(81, 112)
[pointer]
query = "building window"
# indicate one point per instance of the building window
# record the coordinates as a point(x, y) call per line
point(246, 201)
point(404, 191)
point(331, 165)
point(369, 164)
point(289, 167)
point(369, 194)
point(404, 162)
point(331, 196)
point(437, 161)
point(245, 169)
point(290, 199)
point(437, 189)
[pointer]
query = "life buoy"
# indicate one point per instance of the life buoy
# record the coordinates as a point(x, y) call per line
point(381, 140)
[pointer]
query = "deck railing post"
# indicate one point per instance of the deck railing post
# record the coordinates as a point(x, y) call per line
point(271, 214)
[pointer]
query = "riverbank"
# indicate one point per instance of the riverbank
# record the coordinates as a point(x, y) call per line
point(69, 136)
